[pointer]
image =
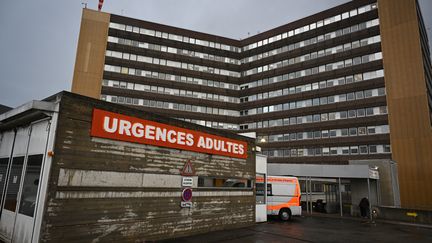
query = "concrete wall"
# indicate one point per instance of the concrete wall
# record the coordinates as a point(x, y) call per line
point(102, 190)
point(406, 215)
point(90, 58)
point(407, 101)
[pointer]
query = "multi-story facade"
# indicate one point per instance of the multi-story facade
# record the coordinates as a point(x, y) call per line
point(351, 82)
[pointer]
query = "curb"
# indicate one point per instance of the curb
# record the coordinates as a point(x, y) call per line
point(376, 221)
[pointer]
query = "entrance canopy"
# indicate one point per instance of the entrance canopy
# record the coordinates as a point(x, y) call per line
point(324, 171)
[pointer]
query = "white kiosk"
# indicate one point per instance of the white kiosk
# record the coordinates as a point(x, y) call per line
point(260, 182)
point(261, 188)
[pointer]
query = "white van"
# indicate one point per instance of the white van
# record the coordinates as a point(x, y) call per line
point(283, 196)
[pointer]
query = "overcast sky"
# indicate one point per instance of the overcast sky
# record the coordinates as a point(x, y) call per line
point(38, 39)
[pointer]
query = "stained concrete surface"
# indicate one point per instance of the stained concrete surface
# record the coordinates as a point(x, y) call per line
point(317, 229)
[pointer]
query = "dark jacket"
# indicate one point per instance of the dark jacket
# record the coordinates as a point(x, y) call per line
point(364, 203)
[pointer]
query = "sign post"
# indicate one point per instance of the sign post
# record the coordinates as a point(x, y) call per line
point(187, 183)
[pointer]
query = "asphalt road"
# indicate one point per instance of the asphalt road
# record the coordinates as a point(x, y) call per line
point(317, 229)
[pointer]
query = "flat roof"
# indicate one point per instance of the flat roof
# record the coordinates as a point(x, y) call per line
point(323, 171)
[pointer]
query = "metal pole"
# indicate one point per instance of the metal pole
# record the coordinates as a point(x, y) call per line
point(378, 191)
point(340, 198)
point(370, 207)
point(307, 196)
point(310, 190)
point(326, 193)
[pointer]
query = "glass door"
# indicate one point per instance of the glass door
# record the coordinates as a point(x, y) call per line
point(12, 179)
point(23, 173)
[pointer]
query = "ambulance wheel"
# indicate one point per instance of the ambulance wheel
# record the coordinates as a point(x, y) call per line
point(285, 214)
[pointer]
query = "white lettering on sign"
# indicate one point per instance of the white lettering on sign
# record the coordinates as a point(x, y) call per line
point(186, 204)
point(131, 129)
point(187, 181)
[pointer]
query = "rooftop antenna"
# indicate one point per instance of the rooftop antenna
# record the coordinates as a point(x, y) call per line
point(85, 4)
point(100, 5)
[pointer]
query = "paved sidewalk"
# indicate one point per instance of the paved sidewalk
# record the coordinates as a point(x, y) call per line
point(317, 229)
point(337, 216)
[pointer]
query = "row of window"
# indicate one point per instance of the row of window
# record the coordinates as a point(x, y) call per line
point(314, 40)
point(314, 55)
point(280, 78)
point(169, 105)
point(213, 124)
point(290, 47)
point(174, 50)
point(216, 45)
point(326, 151)
point(170, 77)
point(350, 114)
point(169, 63)
point(343, 132)
point(173, 37)
point(358, 95)
point(320, 69)
point(301, 73)
point(312, 26)
point(168, 91)
point(286, 91)
point(315, 86)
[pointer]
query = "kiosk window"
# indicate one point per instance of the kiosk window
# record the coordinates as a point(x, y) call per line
point(14, 182)
point(260, 189)
point(31, 183)
point(3, 169)
point(223, 182)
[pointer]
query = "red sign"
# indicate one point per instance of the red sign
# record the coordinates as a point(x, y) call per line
point(188, 169)
point(187, 194)
point(115, 126)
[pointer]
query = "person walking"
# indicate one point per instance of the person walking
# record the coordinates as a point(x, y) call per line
point(364, 207)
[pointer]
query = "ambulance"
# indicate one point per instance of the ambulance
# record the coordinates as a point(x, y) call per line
point(283, 197)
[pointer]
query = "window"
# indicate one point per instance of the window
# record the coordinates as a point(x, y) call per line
point(343, 132)
point(223, 182)
point(345, 150)
point(13, 184)
point(387, 149)
point(324, 117)
point(361, 131)
point(353, 131)
point(333, 150)
point(363, 149)
point(343, 114)
point(260, 191)
point(333, 133)
point(31, 183)
point(3, 168)
point(369, 111)
point(325, 134)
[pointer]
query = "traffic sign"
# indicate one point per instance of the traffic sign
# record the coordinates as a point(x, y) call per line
point(186, 204)
point(187, 194)
point(188, 169)
point(187, 181)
